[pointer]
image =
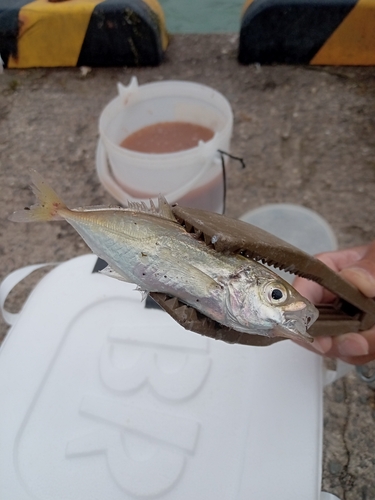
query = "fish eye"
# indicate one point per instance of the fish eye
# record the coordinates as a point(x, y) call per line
point(275, 293)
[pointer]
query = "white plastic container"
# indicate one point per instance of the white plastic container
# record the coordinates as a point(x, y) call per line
point(103, 398)
point(144, 176)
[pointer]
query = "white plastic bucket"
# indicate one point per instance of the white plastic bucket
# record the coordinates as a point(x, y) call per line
point(174, 175)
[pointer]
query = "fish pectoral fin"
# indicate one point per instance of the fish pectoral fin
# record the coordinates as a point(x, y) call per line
point(194, 282)
point(108, 271)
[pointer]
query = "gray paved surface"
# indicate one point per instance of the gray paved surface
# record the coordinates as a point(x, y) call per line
point(307, 135)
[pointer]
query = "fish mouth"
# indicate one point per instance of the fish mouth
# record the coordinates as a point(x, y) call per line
point(294, 330)
point(295, 325)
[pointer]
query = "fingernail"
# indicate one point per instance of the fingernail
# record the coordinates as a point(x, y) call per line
point(362, 279)
point(322, 344)
point(352, 347)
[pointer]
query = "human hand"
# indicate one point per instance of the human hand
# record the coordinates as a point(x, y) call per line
point(356, 265)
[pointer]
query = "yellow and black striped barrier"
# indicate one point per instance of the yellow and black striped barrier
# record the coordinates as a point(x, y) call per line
point(327, 32)
point(54, 33)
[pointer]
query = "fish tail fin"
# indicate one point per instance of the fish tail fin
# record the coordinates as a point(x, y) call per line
point(48, 203)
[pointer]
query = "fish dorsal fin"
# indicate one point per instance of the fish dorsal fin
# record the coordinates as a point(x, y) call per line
point(162, 210)
point(108, 271)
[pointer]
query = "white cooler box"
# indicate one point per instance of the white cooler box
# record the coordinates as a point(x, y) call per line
point(104, 399)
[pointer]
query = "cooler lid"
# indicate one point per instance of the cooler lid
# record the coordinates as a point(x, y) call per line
point(103, 398)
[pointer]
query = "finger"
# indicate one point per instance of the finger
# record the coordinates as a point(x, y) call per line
point(359, 360)
point(321, 345)
point(356, 265)
point(343, 258)
point(309, 289)
point(358, 348)
point(354, 348)
point(362, 277)
point(362, 273)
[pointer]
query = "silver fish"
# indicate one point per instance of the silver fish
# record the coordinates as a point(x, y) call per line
point(148, 247)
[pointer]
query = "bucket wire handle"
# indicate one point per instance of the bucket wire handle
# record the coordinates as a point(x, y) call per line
point(237, 158)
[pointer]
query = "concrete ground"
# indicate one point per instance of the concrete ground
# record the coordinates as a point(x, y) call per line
point(307, 135)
